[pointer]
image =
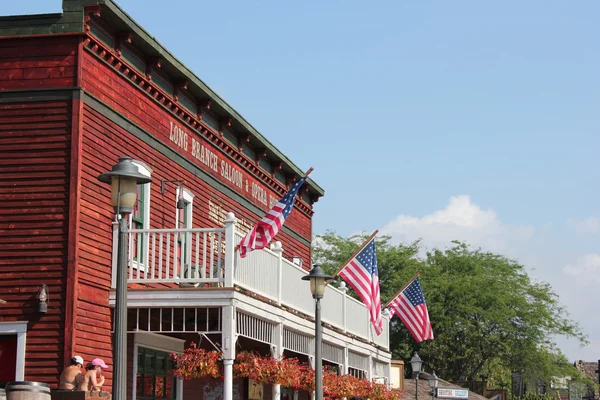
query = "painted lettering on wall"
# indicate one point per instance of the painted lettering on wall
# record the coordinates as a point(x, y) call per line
point(232, 174)
point(206, 157)
point(178, 136)
point(223, 167)
point(217, 214)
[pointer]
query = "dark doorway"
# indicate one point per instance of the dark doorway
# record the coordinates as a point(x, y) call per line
point(8, 358)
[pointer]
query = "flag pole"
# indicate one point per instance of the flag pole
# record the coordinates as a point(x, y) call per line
point(352, 256)
point(403, 287)
point(311, 169)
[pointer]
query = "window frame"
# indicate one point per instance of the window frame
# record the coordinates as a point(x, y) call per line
point(145, 247)
point(156, 342)
point(188, 199)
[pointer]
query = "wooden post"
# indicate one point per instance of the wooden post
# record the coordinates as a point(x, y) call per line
point(353, 255)
point(403, 287)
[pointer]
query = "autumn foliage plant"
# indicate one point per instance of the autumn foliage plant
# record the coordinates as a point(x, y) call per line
point(197, 363)
point(287, 372)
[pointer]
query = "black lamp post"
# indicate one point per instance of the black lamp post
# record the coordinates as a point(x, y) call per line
point(317, 278)
point(483, 380)
point(433, 384)
point(124, 178)
point(416, 363)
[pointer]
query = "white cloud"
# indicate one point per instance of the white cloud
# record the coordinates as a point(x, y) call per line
point(463, 220)
point(587, 225)
point(586, 267)
point(550, 252)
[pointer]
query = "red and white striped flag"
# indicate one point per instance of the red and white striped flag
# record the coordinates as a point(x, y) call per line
point(362, 274)
point(261, 235)
point(411, 308)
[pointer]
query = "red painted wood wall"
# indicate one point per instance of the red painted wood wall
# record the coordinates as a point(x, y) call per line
point(55, 217)
point(34, 182)
point(35, 148)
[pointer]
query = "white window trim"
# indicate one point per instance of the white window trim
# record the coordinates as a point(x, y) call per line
point(146, 171)
point(188, 199)
point(156, 342)
point(20, 329)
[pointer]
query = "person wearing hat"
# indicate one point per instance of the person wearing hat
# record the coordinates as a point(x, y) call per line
point(93, 379)
point(71, 377)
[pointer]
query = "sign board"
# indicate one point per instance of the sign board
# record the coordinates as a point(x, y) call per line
point(255, 390)
point(452, 393)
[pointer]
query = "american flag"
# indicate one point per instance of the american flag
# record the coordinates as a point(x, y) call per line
point(362, 275)
point(412, 310)
point(261, 235)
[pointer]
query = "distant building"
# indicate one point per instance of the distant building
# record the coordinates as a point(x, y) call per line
point(587, 368)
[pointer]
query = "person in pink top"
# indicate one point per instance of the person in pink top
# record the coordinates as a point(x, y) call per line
point(93, 379)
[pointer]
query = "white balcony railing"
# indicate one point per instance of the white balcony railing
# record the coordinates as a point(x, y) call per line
point(205, 256)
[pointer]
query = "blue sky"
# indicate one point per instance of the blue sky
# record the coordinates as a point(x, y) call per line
point(436, 120)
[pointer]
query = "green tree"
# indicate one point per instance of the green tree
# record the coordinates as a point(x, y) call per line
point(488, 315)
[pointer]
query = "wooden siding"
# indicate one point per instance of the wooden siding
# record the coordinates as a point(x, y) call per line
point(126, 99)
point(34, 186)
point(28, 63)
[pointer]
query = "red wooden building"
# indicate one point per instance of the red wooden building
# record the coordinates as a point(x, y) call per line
point(81, 88)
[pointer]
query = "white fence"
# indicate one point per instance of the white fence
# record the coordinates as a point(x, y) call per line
point(202, 257)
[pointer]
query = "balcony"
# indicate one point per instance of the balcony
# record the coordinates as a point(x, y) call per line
point(205, 257)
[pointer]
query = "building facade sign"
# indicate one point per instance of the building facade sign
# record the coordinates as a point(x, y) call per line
point(185, 143)
point(451, 393)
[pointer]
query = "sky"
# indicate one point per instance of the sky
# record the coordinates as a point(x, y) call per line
point(444, 120)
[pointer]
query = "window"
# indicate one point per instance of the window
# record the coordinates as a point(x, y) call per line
point(154, 377)
point(266, 165)
point(102, 35)
point(140, 217)
point(187, 103)
point(280, 176)
point(183, 219)
point(357, 373)
point(133, 58)
point(162, 82)
point(230, 137)
point(249, 152)
point(210, 120)
point(306, 197)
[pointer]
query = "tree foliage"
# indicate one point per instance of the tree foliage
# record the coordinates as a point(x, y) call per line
point(488, 315)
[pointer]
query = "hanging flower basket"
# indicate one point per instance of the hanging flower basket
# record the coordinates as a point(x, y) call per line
point(287, 372)
point(261, 369)
point(197, 363)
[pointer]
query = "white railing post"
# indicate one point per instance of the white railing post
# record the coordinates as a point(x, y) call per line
point(278, 250)
point(277, 352)
point(229, 249)
point(228, 338)
point(344, 290)
point(311, 361)
point(345, 369)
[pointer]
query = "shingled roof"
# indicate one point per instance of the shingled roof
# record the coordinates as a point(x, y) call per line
point(425, 391)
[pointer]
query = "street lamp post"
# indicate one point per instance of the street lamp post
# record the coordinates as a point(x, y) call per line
point(433, 384)
point(483, 379)
point(416, 363)
point(123, 178)
point(317, 279)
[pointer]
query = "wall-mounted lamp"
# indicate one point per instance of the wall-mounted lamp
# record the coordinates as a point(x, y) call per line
point(43, 298)
point(180, 201)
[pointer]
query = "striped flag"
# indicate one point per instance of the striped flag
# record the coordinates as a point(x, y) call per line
point(411, 308)
point(261, 235)
point(362, 275)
